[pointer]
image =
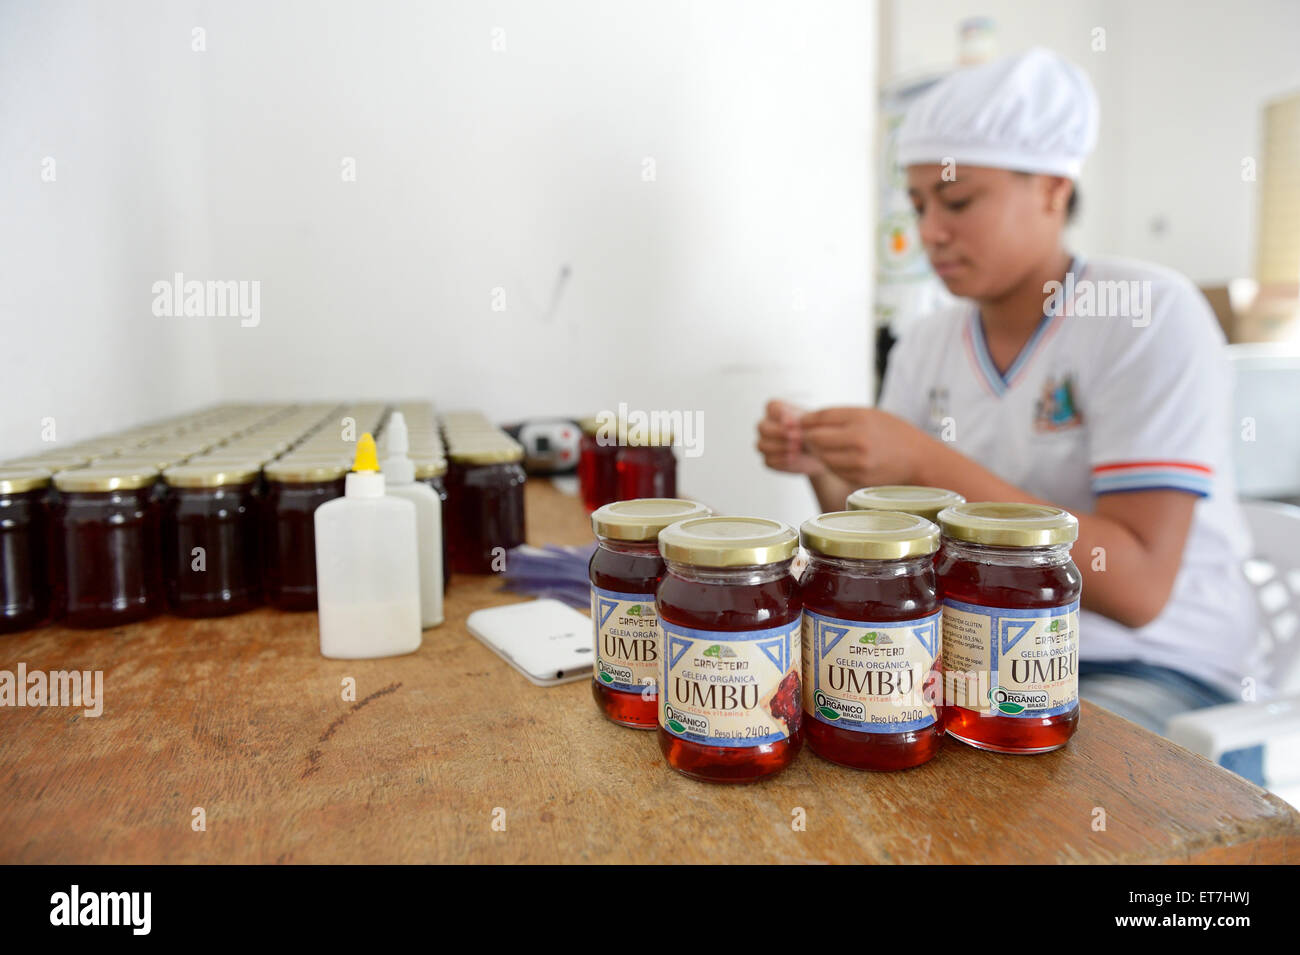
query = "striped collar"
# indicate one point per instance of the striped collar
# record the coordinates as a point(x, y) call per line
point(978, 351)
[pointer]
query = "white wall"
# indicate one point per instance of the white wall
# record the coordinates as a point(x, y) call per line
point(741, 271)
point(114, 108)
point(1181, 83)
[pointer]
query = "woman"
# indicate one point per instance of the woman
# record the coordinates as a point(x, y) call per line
point(1097, 385)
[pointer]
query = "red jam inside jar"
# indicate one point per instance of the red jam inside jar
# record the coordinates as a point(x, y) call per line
point(24, 541)
point(872, 686)
point(211, 555)
point(106, 560)
point(1010, 626)
point(646, 471)
point(293, 492)
point(485, 490)
point(625, 572)
point(597, 466)
point(729, 614)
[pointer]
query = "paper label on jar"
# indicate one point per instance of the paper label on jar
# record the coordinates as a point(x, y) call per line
point(728, 688)
point(627, 641)
point(870, 677)
point(1007, 662)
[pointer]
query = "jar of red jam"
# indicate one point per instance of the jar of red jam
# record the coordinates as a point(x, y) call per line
point(24, 539)
point(625, 572)
point(915, 499)
point(872, 688)
point(485, 491)
point(1010, 626)
point(729, 695)
point(293, 492)
point(433, 472)
point(211, 556)
point(647, 466)
point(597, 465)
point(105, 562)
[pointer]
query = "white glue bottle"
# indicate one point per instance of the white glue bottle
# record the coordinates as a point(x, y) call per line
point(367, 567)
point(399, 477)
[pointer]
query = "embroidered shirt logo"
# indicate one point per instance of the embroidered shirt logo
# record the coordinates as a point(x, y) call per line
point(1056, 409)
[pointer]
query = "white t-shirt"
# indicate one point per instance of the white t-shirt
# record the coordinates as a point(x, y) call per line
point(1126, 387)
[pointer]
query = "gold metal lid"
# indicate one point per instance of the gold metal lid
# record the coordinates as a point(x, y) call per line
point(429, 467)
point(728, 541)
point(486, 454)
point(304, 472)
point(643, 518)
point(1009, 524)
point(142, 459)
point(916, 499)
point(52, 461)
point(589, 425)
point(20, 480)
point(870, 535)
point(106, 478)
point(211, 474)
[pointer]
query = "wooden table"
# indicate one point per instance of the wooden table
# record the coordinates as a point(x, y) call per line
point(242, 717)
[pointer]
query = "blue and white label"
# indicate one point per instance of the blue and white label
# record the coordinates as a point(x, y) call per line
point(627, 641)
point(1003, 661)
point(730, 688)
point(871, 677)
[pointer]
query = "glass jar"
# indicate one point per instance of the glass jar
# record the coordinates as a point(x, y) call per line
point(915, 499)
point(432, 472)
point(625, 572)
point(647, 469)
point(729, 695)
point(485, 491)
point(105, 562)
point(597, 465)
point(211, 557)
point(293, 492)
point(1010, 626)
point(24, 543)
point(872, 686)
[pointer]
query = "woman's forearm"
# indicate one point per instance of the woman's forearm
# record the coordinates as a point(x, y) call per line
point(1123, 578)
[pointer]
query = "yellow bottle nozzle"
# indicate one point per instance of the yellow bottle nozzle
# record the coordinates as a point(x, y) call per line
point(366, 459)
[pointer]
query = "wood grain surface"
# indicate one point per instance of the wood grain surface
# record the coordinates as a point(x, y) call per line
point(241, 716)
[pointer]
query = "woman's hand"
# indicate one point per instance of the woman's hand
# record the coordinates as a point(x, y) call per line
point(781, 441)
point(866, 446)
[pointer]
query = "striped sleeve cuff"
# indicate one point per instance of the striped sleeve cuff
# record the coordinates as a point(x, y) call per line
point(1152, 476)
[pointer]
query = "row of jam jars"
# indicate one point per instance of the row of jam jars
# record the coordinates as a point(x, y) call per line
point(625, 571)
point(871, 626)
point(1010, 625)
point(294, 489)
point(485, 490)
point(105, 560)
point(24, 541)
point(211, 557)
point(729, 615)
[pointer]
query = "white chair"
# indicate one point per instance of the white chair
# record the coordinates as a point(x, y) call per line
point(1274, 572)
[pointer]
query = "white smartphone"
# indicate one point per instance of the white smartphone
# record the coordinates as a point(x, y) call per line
point(545, 640)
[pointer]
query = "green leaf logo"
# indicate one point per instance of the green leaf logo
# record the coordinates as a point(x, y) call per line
point(869, 637)
point(634, 610)
point(713, 651)
point(606, 677)
point(1011, 708)
point(676, 727)
point(1055, 625)
point(828, 713)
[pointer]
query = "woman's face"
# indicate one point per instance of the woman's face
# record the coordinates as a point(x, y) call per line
point(986, 230)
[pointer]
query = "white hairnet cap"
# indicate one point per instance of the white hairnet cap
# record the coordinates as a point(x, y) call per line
point(1034, 112)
